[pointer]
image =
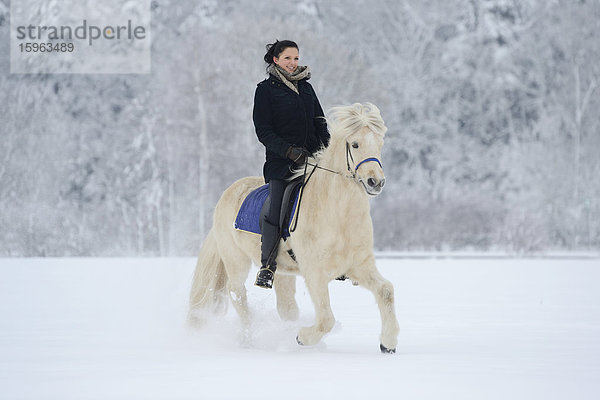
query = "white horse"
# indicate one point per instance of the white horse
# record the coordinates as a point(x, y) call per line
point(333, 237)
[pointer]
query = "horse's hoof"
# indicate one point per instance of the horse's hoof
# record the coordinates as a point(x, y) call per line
point(299, 342)
point(384, 349)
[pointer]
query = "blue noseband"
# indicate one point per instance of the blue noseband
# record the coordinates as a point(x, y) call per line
point(367, 160)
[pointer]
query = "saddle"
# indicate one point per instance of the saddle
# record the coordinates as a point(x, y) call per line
point(256, 205)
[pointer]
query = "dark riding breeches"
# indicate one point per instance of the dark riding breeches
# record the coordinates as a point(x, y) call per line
point(270, 227)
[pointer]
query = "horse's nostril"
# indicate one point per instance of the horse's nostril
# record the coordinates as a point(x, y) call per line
point(382, 184)
point(372, 182)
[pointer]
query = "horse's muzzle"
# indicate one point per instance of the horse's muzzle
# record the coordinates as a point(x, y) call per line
point(373, 186)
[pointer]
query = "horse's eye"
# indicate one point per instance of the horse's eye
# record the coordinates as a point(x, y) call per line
point(354, 145)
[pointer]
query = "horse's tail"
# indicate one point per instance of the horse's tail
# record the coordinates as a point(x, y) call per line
point(210, 279)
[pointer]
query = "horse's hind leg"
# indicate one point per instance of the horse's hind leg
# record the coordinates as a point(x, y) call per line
point(285, 289)
point(371, 279)
point(237, 266)
point(317, 286)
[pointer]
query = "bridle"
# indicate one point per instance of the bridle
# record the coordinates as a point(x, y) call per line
point(353, 175)
point(353, 172)
point(366, 160)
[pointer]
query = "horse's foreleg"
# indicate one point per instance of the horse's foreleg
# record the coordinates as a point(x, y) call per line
point(383, 290)
point(285, 289)
point(324, 320)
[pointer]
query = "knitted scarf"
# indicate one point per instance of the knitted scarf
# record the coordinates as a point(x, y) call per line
point(290, 80)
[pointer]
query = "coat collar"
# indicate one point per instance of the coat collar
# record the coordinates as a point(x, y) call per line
point(273, 81)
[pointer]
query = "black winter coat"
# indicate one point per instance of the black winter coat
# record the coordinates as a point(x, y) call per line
point(283, 118)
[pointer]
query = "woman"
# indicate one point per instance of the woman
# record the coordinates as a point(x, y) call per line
point(289, 122)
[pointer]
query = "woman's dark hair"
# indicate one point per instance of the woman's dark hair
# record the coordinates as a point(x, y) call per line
point(275, 49)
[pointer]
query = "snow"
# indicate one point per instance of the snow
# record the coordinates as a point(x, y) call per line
point(114, 328)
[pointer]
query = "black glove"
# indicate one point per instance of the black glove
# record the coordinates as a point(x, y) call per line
point(297, 154)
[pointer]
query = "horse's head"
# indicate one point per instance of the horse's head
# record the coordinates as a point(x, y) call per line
point(360, 130)
point(363, 155)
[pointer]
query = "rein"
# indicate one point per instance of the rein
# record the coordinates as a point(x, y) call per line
point(316, 166)
point(304, 183)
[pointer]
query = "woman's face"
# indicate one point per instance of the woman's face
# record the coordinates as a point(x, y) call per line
point(288, 59)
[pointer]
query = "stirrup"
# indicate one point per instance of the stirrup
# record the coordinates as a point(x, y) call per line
point(264, 278)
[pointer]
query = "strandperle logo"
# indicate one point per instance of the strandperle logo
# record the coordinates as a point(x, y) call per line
point(84, 31)
point(80, 36)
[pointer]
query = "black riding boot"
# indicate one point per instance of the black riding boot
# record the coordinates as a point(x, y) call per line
point(269, 246)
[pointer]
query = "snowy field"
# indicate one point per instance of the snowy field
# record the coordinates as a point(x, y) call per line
point(470, 329)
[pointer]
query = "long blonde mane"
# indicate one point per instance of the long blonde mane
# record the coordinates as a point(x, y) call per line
point(346, 120)
point(343, 121)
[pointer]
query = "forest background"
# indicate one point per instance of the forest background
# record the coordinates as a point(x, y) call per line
point(492, 109)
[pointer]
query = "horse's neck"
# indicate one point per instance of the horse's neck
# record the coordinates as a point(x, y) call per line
point(337, 193)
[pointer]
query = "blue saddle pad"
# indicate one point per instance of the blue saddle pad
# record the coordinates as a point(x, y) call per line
point(248, 217)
